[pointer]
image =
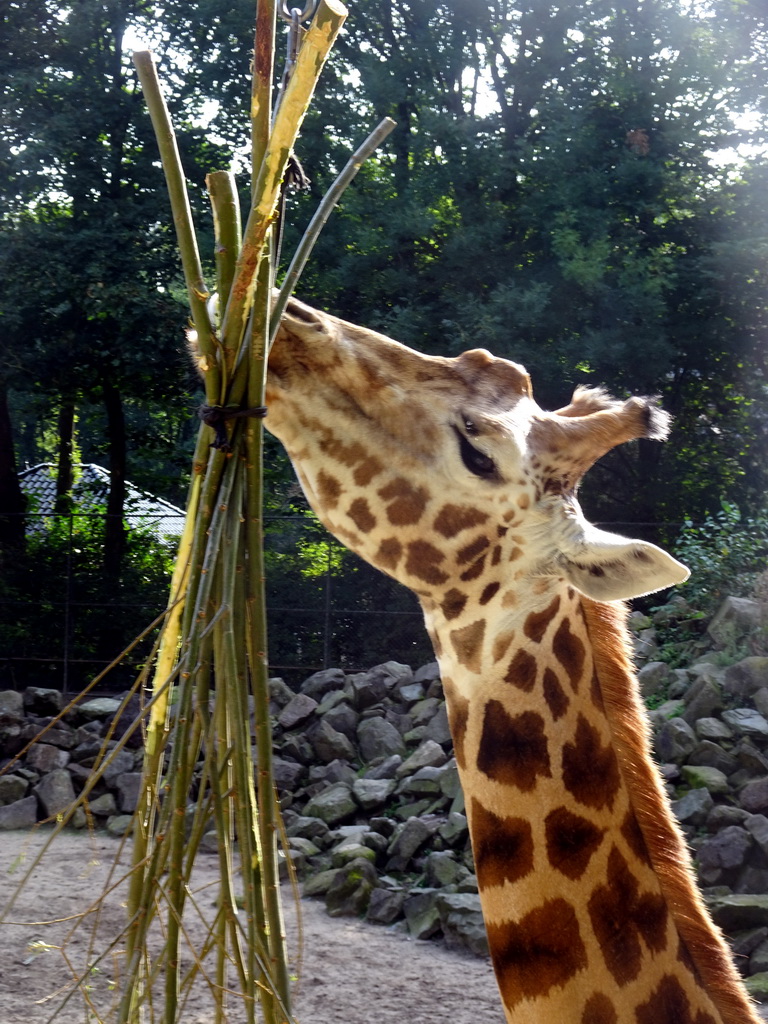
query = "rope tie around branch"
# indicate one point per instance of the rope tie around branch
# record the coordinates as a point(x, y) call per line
point(216, 416)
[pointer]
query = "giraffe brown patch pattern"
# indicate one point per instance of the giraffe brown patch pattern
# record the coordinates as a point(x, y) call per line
point(522, 671)
point(596, 693)
point(569, 651)
point(423, 561)
point(389, 554)
point(502, 847)
point(406, 502)
point(571, 841)
point(670, 1005)
point(555, 696)
point(468, 644)
point(470, 551)
point(590, 770)
point(369, 468)
point(513, 750)
point(360, 514)
point(599, 1010)
point(542, 950)
point(475, 570)
point(328, 489)
point(489, 592)
point(501, 644)
point(452, 519)
point(635, 839)
point(536, 624)
point(621, 916)
point(453, 603)
point(458, 716)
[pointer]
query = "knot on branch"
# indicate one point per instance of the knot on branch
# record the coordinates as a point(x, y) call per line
point(216, 416)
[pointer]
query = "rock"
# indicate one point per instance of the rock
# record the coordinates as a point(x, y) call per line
point(461, 921)
point(712, 755)
point(11, 705)
point(350, 891)
point(349, 850)
point(385, 906)
point(749, 757)
point(408, 838)
point(12, 788)
point(760, 700)
point(739, 911)
point(280, 692)
point(427, 755)
point(746, 722)
point(743, 944)
point(701, 700)
point(319, 884)
point(321, 683)
point(421, 913)
point(378, 738)
point(713, 729)
point(704, 777)
point(329, 744)
point(286, 773)
point(653, 676)
point(438, 728)
point(758, 962)
point(428, 673)
point(372, 793)
point(455, 831)
point(333, 805)
point(441, 868)
point(752, 879)
point(343, 719)
point(727, 851)
point(43, 758)
point(424, 781)
point(747, 677)
point(305, 827)
point(40, 700)
point(366, 689)
point(128, 786)
point(385, 769)
point(757, 987)
point(19, 814)
point(411, 694)
point(734, 617)
point(334, 771)
point(55, 792)
point(723, 815)
point(694, 807)
point(675, 741)
point(99, 708)
point(117, 763)
point(297, 711)
point(103, 806)
point(119, 824)
point(757, 826)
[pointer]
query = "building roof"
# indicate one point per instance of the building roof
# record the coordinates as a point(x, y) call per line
point(90, 493)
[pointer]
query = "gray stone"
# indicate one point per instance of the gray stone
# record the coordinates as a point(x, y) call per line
point(421, 913)
point(461, 921)
point(757, 826)
point(343, 719)
point(760, 700)
point(319, 884)
point(12, 788)
point(653, 676)
point(19, 814)
point(746, 722)
point(41, 700)
point(378, 738)
point(386, 769)
point(395, 674)
point(372, 793)
point(103, 806)
point(739, 911)
point(424, 711)
point(43, 758)
point(99, 708)
point(735, 617)
point(60, 735)
point(727, 851)
point(713, 729)
point(333, 805)
point(119, 824)
point(712, 755)
point(701, 700)
point(428, 673)
point(759, 960)
point(11, 704)
point(308, 828)
point(334, 771)
point(407, 840)
point(704, 777)
point(746, 677)
point(55, 792)
point(427, 755)
point(412, 693)
point(385, 906)
point(425, 781)
point(694, 807)
point(118, 763)
point(455, 831)
point(280, 692)
point(321, 683)
point(350, 891)
point(745, 943)
point(366, 689)
point(441, 868)
point(297, 711)
point(128, 786)
point(723, 815)
point(757, 986)
point(675, 741)
point(286, 773)
point(349, 850)
point(329, 744)
point(748, 756)
point(438, 729)
point(752, 879)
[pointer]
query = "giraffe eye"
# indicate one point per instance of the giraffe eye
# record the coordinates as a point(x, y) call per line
point(477, 462)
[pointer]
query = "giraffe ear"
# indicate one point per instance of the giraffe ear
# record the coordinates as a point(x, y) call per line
point(607, 567)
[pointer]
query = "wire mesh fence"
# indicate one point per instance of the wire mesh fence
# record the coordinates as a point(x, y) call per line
point(63, 620)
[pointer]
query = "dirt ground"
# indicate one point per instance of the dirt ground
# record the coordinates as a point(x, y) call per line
point(352, 973)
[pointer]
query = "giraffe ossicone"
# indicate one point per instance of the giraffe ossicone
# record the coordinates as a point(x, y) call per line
point(448, 476)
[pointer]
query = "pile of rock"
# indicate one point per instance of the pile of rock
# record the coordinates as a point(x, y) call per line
point(372, 806)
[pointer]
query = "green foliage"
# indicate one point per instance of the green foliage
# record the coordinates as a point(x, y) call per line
point(726, 554)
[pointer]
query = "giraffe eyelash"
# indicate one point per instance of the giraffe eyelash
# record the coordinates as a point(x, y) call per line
point(477, 462)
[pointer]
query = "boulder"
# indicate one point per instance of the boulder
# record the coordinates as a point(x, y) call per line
point(350, 890)
point(747, 677)
point(746, 722)
point(653, 676)
point(321, 683)
point(675, 740)
point(711, 755)
point(12, 788)
point(421, 913)
point(372, 793)
point(712, 729)
point(343, 719)
point(43, 758)
point(407, 840)
point(55, 792)
point(385, 906)
point(735, 617)
point(701, 700)
point(333, 805)
point(704, 777)
point(128, 786)
point(19, 814)
point(461, 921)
point(99, 708)
point(297, 711)
point(737, 912)
point(41, 700)
point(378, 738)
point(725, 852)
point(694, 807)
point(329, 744)
point(427, 755)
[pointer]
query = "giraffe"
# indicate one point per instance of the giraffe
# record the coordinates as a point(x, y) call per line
point(445, 474)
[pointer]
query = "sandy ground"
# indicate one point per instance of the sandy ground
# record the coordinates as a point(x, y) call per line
point(351, 973)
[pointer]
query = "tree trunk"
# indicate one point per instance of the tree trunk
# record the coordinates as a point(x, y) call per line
point(114, 536)
point(12, 500)
point(64, 473)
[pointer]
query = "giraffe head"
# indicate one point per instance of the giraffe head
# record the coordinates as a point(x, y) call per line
point(440, 470)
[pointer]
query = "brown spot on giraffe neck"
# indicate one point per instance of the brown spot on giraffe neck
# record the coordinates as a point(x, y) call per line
point(360, 514)
point(590, 770)
point(555, 696)
point(489, 592)
point(571, 841)
point(502, 847)
point(621, 916)
point(389, 554)
point(670, 1005)
point(541, 951)
point(535, 625)
point(569, 651)
point(328, 489)
point(458, 717)
point(452, 519)
point(513, 750)
point(423, 561)
point(522, 671)
point(406, 502)
point(599, 1010)
point(468, 644)
point(453, 603)
point(470, 551)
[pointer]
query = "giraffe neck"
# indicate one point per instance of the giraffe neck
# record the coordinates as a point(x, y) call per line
point(581, 871)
